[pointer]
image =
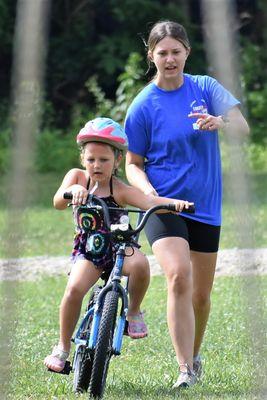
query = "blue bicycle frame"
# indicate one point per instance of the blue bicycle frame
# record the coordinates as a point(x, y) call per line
point(114, 283)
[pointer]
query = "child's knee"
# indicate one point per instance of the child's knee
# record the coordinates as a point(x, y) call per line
point(74, 293)
point(138, 265)
point(141, 267)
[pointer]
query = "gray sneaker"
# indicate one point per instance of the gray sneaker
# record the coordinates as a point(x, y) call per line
point(185, 379)
point(197, 366)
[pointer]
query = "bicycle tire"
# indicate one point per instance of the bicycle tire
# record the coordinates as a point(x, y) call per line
point(103, 350)
point(84, 357)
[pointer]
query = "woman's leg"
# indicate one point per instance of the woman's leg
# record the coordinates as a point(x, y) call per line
point(203, 265)
point(82, 277)
point(137, 268)
point(173, 255)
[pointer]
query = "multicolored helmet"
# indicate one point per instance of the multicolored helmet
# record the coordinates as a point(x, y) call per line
point(103, 130)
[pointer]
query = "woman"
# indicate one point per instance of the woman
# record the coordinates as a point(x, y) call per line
point(172, 127)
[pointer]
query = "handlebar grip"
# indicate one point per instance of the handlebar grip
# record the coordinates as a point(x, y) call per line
point(189, 210)
point(67, 195)
point(171, 207)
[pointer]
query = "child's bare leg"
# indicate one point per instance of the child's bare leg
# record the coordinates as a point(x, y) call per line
point(83, 276)
point(137, 268)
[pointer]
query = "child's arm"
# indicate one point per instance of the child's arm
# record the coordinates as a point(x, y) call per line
point(72, 182)
point(136, 198)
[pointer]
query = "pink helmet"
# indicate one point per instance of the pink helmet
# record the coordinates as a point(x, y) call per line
point(103, 130)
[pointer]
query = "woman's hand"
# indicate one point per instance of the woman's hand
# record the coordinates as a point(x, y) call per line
point(207, 122)
point(180, 205)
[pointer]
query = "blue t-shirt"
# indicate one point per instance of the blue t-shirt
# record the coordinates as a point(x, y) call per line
point(181, 162)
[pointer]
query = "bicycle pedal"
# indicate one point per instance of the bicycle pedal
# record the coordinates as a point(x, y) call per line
point(66, 370)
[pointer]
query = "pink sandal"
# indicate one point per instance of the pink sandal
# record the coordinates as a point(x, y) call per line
point(137, 328)
point(56, 360)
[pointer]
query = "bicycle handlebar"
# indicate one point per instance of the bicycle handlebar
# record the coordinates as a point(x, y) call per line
point(147, 213)
point(169, 207)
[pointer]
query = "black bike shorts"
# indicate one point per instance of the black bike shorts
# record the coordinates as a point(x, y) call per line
point(201, 237)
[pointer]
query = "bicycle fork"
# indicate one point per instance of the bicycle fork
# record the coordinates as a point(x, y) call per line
point(113, 284)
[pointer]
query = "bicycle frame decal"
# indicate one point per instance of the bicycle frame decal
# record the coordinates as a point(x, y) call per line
point(116, 275)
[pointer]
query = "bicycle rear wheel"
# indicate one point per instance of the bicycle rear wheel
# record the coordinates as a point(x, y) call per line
point(82, 370)
point(103, 350)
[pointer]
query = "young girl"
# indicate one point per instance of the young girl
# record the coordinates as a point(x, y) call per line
point(102, 142)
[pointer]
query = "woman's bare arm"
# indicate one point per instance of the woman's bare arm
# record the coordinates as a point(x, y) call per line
point(135, 173)
point(129, 195)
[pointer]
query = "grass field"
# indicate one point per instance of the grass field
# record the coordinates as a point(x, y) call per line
point(233, 352)
point(147, 368)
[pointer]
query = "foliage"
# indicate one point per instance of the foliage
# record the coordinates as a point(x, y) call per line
point(90, 71)
point(5, 139)
point(7, 18)
point(147, 368)
point(257, 156)
point(129, 85)
point(255, 87)
point(90, 38)
point(56, 152)
point(254, 156)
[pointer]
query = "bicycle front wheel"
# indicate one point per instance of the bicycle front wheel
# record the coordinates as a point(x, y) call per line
point(103, 350)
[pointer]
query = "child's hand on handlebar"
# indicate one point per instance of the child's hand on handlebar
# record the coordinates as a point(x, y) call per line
point(181, 205)
point(79, 195)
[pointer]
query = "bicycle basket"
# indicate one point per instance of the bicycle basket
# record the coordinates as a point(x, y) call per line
point(98, 244)
point(89, 219)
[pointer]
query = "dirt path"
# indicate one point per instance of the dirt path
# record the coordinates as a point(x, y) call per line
point(232, 262)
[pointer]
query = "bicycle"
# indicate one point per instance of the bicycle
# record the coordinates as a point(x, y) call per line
point(100, 333)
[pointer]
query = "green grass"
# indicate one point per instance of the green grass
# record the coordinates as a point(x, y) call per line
point(147, 368)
